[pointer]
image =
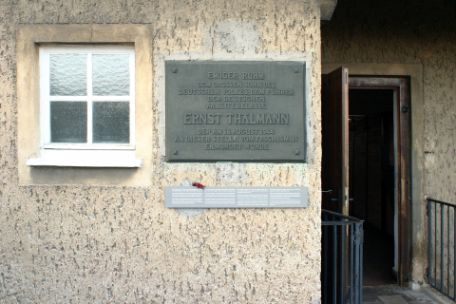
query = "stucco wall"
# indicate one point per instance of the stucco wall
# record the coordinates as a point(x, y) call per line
point(422, 36)
point(74, 243)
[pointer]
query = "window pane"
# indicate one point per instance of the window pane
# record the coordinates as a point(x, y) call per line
point(68, 122)
point(110, 73)
point(68, 74)
point(111, 122)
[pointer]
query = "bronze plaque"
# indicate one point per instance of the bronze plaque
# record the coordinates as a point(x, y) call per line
point(235, 111)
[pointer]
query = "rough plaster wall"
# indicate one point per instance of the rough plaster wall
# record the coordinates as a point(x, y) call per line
point(81, 244)
point(402, 32)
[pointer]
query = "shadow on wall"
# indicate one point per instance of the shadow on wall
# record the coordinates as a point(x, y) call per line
point(419, 17)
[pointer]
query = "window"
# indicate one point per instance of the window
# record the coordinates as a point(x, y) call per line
point(87, 95)
point(87, 106)
point(98, 136)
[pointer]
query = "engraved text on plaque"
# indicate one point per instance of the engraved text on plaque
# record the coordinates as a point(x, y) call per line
point(235, 110)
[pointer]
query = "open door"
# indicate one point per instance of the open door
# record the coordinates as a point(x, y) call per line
point(335, 130)
point(337, 241)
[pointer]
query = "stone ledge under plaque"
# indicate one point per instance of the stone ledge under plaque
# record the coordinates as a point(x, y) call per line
point(232, 197)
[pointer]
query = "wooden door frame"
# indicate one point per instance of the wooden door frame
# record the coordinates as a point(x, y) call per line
point(401, 88)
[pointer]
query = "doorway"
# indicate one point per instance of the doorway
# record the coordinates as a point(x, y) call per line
point(372, 176)
point(366, 163)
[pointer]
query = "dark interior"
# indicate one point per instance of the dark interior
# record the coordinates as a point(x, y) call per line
point(372, 179)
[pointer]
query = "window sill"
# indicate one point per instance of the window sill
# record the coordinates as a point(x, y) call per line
point(86, 158)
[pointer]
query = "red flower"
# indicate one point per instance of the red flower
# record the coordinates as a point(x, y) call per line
point(198, 185)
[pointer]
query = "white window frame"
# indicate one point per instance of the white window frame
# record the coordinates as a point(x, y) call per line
point(84, 154)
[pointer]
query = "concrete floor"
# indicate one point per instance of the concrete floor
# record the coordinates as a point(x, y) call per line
point(393, 294)
point(378, 258)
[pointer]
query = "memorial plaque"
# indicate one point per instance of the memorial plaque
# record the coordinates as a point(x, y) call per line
point(235, 110)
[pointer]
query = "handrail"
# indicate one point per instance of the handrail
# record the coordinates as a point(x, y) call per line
point(440, 202)
point(342, 215)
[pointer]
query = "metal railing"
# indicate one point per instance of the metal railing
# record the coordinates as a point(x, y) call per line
point(441, 271)
point(342, 259)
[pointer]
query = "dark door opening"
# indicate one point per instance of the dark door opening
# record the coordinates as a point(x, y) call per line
point(372, 179)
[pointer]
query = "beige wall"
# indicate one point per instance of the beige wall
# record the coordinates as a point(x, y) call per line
point(70, 241)
point(399, 38)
